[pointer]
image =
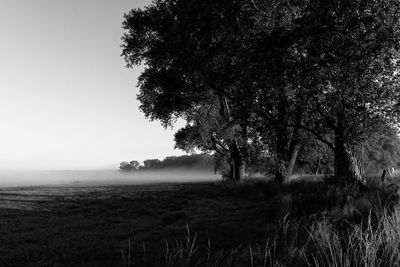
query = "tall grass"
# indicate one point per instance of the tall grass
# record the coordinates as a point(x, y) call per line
point(348, 227)
point(366, 244)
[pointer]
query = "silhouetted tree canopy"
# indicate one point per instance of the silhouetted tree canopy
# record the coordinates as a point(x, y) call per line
point(204, 162)
point(254, 78)
point(135, 164)
point(182, 44)
point(193, 162)
point(126, 166)
point(151, 163)
point(351, 51)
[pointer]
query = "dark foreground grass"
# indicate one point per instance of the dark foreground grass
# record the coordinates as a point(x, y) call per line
point(90, 226)
point(324, 225)
point(199, 224)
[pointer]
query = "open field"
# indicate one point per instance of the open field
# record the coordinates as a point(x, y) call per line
point(86, 226)
point(253, 223)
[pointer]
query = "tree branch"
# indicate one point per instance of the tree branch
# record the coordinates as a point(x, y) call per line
point(318, 136)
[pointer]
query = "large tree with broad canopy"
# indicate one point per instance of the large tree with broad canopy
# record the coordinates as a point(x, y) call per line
point(273, 70)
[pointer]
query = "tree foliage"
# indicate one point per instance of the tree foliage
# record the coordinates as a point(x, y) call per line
point(126, 166)
point(193, 162)
point(351, 48)
point(382, 151)
point(254, 78)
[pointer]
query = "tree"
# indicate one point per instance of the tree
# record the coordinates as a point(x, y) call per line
point(135, 164)
point(125, 166)
point(382, 151)
point(151, 163)
point(210, 131)
point(276, 69)
point(182, 45)
point(336, 67)
point(199, 52)
point(129, 166)
point(194, 162)
point(351, 49)
point(315, 157)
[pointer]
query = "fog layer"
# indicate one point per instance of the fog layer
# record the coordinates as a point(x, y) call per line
point(101, 177)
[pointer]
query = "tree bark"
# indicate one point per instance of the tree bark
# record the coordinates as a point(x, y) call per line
point(281, 176)
point(285, 167)
point(341, 162)
point(231, 174)
point(286, 156)
point(239, 169)
point(292, 160)
point(238, 164)
point(288, 142)
point(282, 162)
point(281, 158)
point(346, 167)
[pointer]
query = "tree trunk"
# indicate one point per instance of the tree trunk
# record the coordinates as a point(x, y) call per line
point(239, 165)
point(341, 162)
point(292, 160)
point(231, 174)
point(317, 166)
point(285, 167)
point(239, 169)
point(346, 167)
point(282, 162)
point(281, 175)
point(286, 158)
point(237, 154)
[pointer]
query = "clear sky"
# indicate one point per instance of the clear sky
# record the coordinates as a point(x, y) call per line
point(66, 99)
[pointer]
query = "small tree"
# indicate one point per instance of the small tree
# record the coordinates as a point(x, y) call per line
point(125, 166)
point(134, 164)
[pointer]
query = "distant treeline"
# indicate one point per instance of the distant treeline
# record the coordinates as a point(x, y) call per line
point(195, 162)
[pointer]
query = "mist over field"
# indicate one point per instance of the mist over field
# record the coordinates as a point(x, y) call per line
point(101, 177)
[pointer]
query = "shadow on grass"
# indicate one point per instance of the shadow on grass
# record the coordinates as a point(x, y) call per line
point(235, 223)
point(314, 224)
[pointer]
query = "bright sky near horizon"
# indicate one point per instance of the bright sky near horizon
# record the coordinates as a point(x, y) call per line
point(66, 99)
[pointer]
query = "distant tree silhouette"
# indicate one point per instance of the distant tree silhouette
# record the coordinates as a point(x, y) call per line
point(135, 164)
point(197, 161)
point(125, 166)
point(151, 163)
point(129, 166)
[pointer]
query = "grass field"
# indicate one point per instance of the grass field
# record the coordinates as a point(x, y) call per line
point(254, 223)
point(78, 226)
